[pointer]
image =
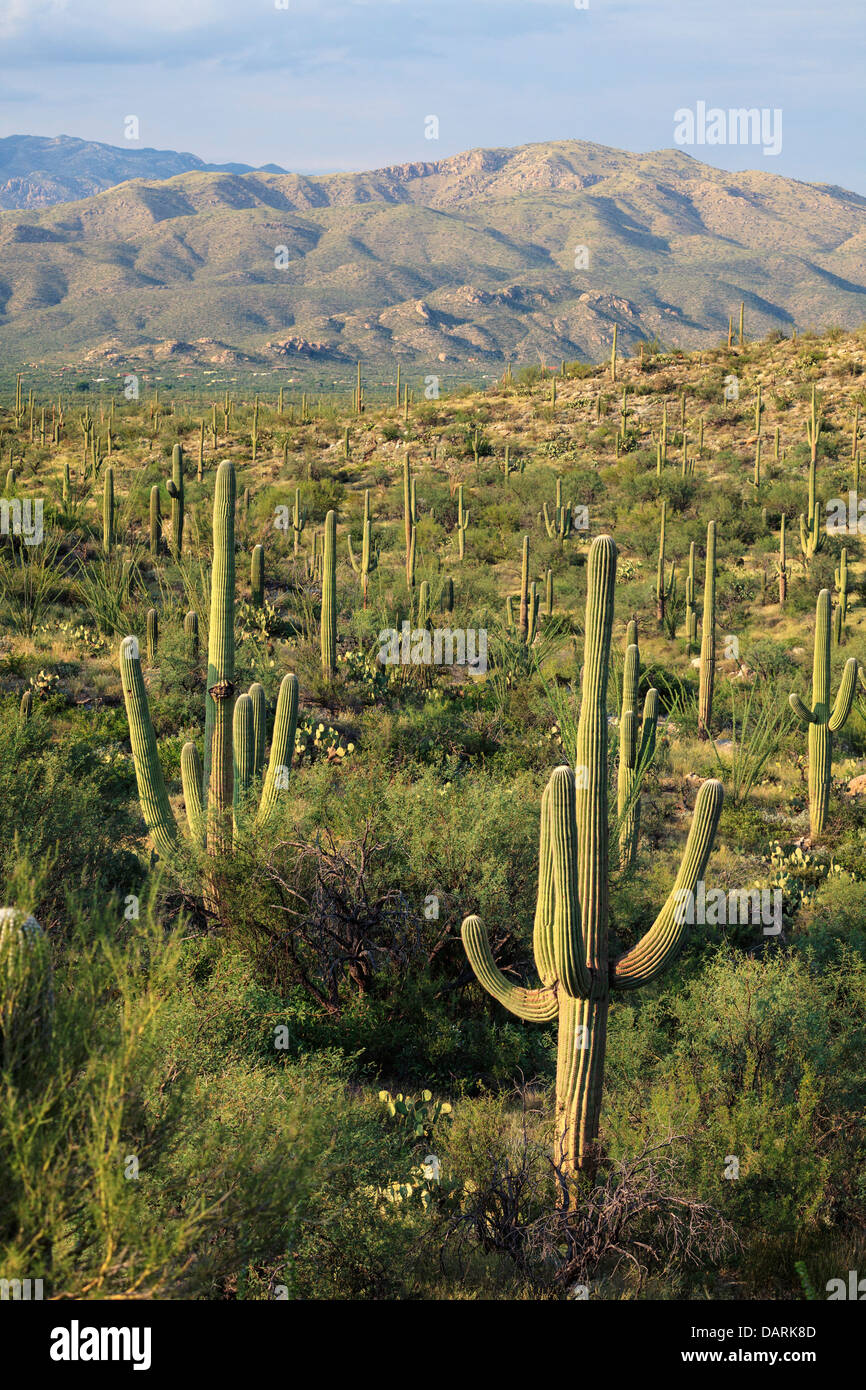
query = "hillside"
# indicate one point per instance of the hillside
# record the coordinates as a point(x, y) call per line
point(36, 171)
point(464, 261)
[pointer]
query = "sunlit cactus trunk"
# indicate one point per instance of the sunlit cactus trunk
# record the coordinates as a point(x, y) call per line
point(570, 938)
point(821, 722)
point(219, 709)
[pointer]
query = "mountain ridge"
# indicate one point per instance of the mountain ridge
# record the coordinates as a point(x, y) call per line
point(469, 259)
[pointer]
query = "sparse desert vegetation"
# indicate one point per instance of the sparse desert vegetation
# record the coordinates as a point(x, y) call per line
point(293, 688)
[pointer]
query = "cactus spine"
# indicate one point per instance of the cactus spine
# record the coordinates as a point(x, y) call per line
point(708, 638)
point(571, 919)
point(820, 721)
point(635, 753)
point(329, 599)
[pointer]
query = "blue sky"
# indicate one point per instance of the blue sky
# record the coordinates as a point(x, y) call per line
point(347, 84)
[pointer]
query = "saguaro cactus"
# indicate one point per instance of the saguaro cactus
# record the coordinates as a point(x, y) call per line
point(152, 634)
point(559, 528)
point(664, 589)
point(190, 627)
point(811, 536)
point(368, 560)
point(176, 493)
point(299, 520)
point(571, 918)
point(257, 576)
point(155, 522)
point(841, 577)
point(409, 522)
point(708, 638)
point(783, 564)
point(636, 748)
point(329, 599)
point(820, 721)
point(108, 510)
point(691, 604)
point(211, 787)
point(462, 523)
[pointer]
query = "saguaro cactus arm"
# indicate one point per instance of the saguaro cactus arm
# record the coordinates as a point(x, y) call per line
point(534, 1005)
point(845, 697)
point(804, 714)
point(655, 951)
point(190, 773)
point(152, 795)
point(282, 748)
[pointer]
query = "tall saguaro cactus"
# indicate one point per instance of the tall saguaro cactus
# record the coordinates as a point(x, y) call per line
point(208, 791)
point(691, 604)
point(329, 599)
point(368, 561)
point(108, 510)
point(176, 493)
point(664, 588)
point(559, 528)
point(571, 919)
point(708, 638)
point(811, 536)
point(821, 722)
point(636, 748)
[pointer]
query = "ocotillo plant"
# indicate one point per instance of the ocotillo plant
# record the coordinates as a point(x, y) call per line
point(560, 527)
point(635, 752)
point(257, 576)
point(571, 918)
point(783, 564)
point(368, 560)
point(708, 638)
point(208, 792)
point(820, 721)
point(176, 493)
point(108, 511)
point(329, 598)
point(664, 591)
point(462, 523)
point(691, 604)
point(26, 993)
point(155, 522)
point(811, 536)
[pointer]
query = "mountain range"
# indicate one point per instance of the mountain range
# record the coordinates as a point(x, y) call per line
point(527, 254)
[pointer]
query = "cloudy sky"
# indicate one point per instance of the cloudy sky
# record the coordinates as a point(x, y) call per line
point(317, 85)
